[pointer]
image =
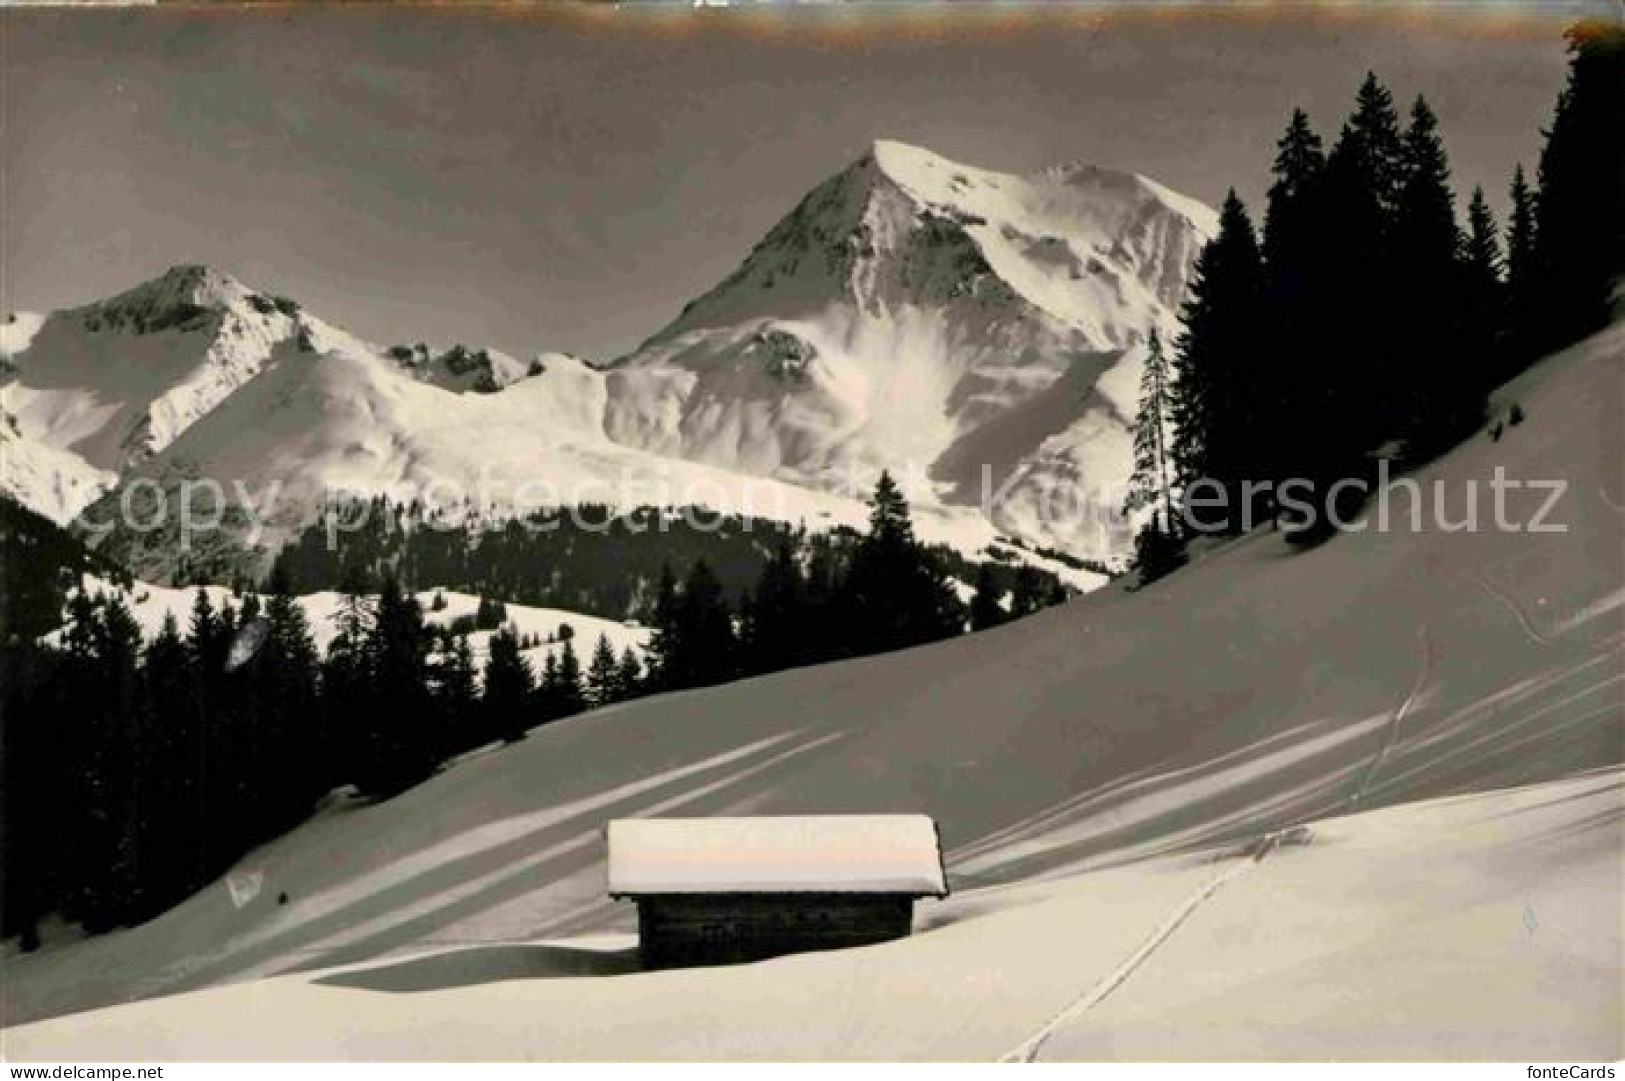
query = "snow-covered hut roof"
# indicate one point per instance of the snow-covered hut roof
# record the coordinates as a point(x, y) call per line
point(803, 854)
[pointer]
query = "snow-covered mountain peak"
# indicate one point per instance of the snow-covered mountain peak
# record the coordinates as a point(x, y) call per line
point(174, 299)
point(933, 318)
point(116, 380)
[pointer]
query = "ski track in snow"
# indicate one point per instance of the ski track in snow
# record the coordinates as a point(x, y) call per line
point(1615, 505)
point(1511, 604)
point(1424, 673)
point(1029, 1049)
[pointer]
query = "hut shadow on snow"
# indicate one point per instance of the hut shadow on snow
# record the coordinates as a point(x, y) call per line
point(486, 964)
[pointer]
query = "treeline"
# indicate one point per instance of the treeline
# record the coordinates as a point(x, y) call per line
point(591, 558)
point(1364, 319)
point(136, 772)
point(883, 591)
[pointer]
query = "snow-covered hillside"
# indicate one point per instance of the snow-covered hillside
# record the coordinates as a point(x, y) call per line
point(1467, 929)
point(149, 604)
point(51, 482)
point(340, 422)
point(1117, 783)
point(916, 314)
point(911, 314)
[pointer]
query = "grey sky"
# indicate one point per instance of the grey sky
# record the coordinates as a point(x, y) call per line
point(537, 182)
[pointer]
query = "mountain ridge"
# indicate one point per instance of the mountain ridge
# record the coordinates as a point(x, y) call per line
point(905, 315)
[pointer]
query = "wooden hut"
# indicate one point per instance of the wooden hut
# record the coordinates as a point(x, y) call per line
point(720, 890)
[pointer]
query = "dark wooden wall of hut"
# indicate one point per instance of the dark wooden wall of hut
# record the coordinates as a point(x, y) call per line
point(723, 928)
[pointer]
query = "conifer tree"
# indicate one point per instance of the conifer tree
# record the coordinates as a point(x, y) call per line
point(569, 696)
point(1027, 592)
point(400, 735)
point(1484, 312)
point(1217, 442)
point(1432, 382)
point(1580, 239)
point(346, 679)
point(1151, 483)
point(602, 684)
point(774, 629)
point(1158, 551)
point(666, 643)
point(547, 689)
point(1289, 387)
point(107, 895)
point(1289, 224)
point(706, 648)
point(1373, 133)
point(628, 676)
point(285, 676)
point(509, 687)
point(1523, 277)
point(985, 610)
point(1354, 364)
point(896, 592)
point(174, 761)
point(455, 690)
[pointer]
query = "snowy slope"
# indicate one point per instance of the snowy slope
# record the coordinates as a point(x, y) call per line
point(1424, 932)
point(1257, 690)
point(337, 420)
point(150, 603)
point(906, 314)
point(55, 483)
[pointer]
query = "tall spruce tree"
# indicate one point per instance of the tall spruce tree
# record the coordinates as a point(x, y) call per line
point(455, 689)
point(1217, 441)
point(1580, 241)
point(1484, 311)
point(285, 675)
point(1435, 379)
point(509, 687)
point(897, 594)
point(108, 888)
point(706, 651)
point(774, 630)
point(569, 694)
point(1373, 131)
point(602, 688)
point(1289, 226)
point(628, 676)
point(1358, 371)
point(1297, 304)
point(665, 645)
point(173, 727)
point(1523, 278)
point(1151, 483)
point(400, 723)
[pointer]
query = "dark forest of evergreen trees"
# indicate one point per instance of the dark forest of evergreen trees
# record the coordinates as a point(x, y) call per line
point(592, 559)
point(1364, 319)
point(136, 772)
